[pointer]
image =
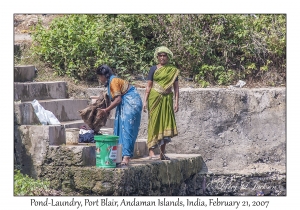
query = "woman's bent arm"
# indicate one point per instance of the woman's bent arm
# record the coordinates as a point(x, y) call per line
point(115, 103)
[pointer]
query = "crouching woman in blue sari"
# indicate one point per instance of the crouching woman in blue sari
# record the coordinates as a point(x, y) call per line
point(128, 104)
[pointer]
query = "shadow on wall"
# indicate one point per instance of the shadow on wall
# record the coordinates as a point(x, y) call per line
point(22, 160)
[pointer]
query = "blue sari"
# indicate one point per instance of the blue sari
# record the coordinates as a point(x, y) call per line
point(127, 119)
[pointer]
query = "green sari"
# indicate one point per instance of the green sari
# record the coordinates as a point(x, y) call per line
point(160, 106)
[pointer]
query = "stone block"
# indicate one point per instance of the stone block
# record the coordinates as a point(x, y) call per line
point(73, 124)
point(63, 109)
point(32, 143)
point(39, 91)
point(24, 73)
point(72, 155)
point(52, 134)
point(57, 135)
point(140, 148)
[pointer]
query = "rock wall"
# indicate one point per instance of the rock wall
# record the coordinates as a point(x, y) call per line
point(230, 142)
point(143, 177)
point(184, 175)
point(233, 129)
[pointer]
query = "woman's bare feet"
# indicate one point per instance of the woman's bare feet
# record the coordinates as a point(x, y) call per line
point(152, 155)
point(125, 161)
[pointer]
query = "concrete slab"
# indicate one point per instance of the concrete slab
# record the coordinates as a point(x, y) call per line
point(40, 90)
point(79, 123)
point(57, 135)
point(31, 143)
point(73, 124)
point(63, 109)
point(52, 134)
point(24, 73)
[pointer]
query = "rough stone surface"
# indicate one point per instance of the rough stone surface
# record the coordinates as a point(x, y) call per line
point(183, 175)
point(39, 90)
point(75, 155)
point(240, 134)
point(24, 73)
point(142, 177)
point(270, 183)
point(232, 128)
point(31, 146)
point(35, 147)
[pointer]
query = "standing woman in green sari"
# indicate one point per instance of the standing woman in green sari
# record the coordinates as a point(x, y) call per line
point(159, 95)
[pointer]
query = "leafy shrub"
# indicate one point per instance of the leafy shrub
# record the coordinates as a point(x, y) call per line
point(213, 49)
point(75, 45)
point(24, 185)
point(245, 46)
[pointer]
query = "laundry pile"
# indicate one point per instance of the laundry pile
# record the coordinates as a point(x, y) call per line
point(93, 116)
point(86, 135)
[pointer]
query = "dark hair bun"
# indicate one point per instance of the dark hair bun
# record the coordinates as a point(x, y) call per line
point(104, 70)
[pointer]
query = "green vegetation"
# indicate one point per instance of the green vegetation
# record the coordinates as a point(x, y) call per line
point(24, 185)
point(216, 49)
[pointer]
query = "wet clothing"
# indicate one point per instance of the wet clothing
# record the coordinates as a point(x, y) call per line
point(128, 113)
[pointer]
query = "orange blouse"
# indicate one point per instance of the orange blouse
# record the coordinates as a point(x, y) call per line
point(118, 87)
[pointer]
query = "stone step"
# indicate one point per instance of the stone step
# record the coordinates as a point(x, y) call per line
point(79, 123)
point(73, 124)
point(50, 134)
point(63, 109)
point(24, 73)
point(31, 144)
point(40, 136)
point(83, 154)
point(40, 90)
point(72, 155)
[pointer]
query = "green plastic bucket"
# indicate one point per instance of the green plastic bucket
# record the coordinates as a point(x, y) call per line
point(106, 150)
